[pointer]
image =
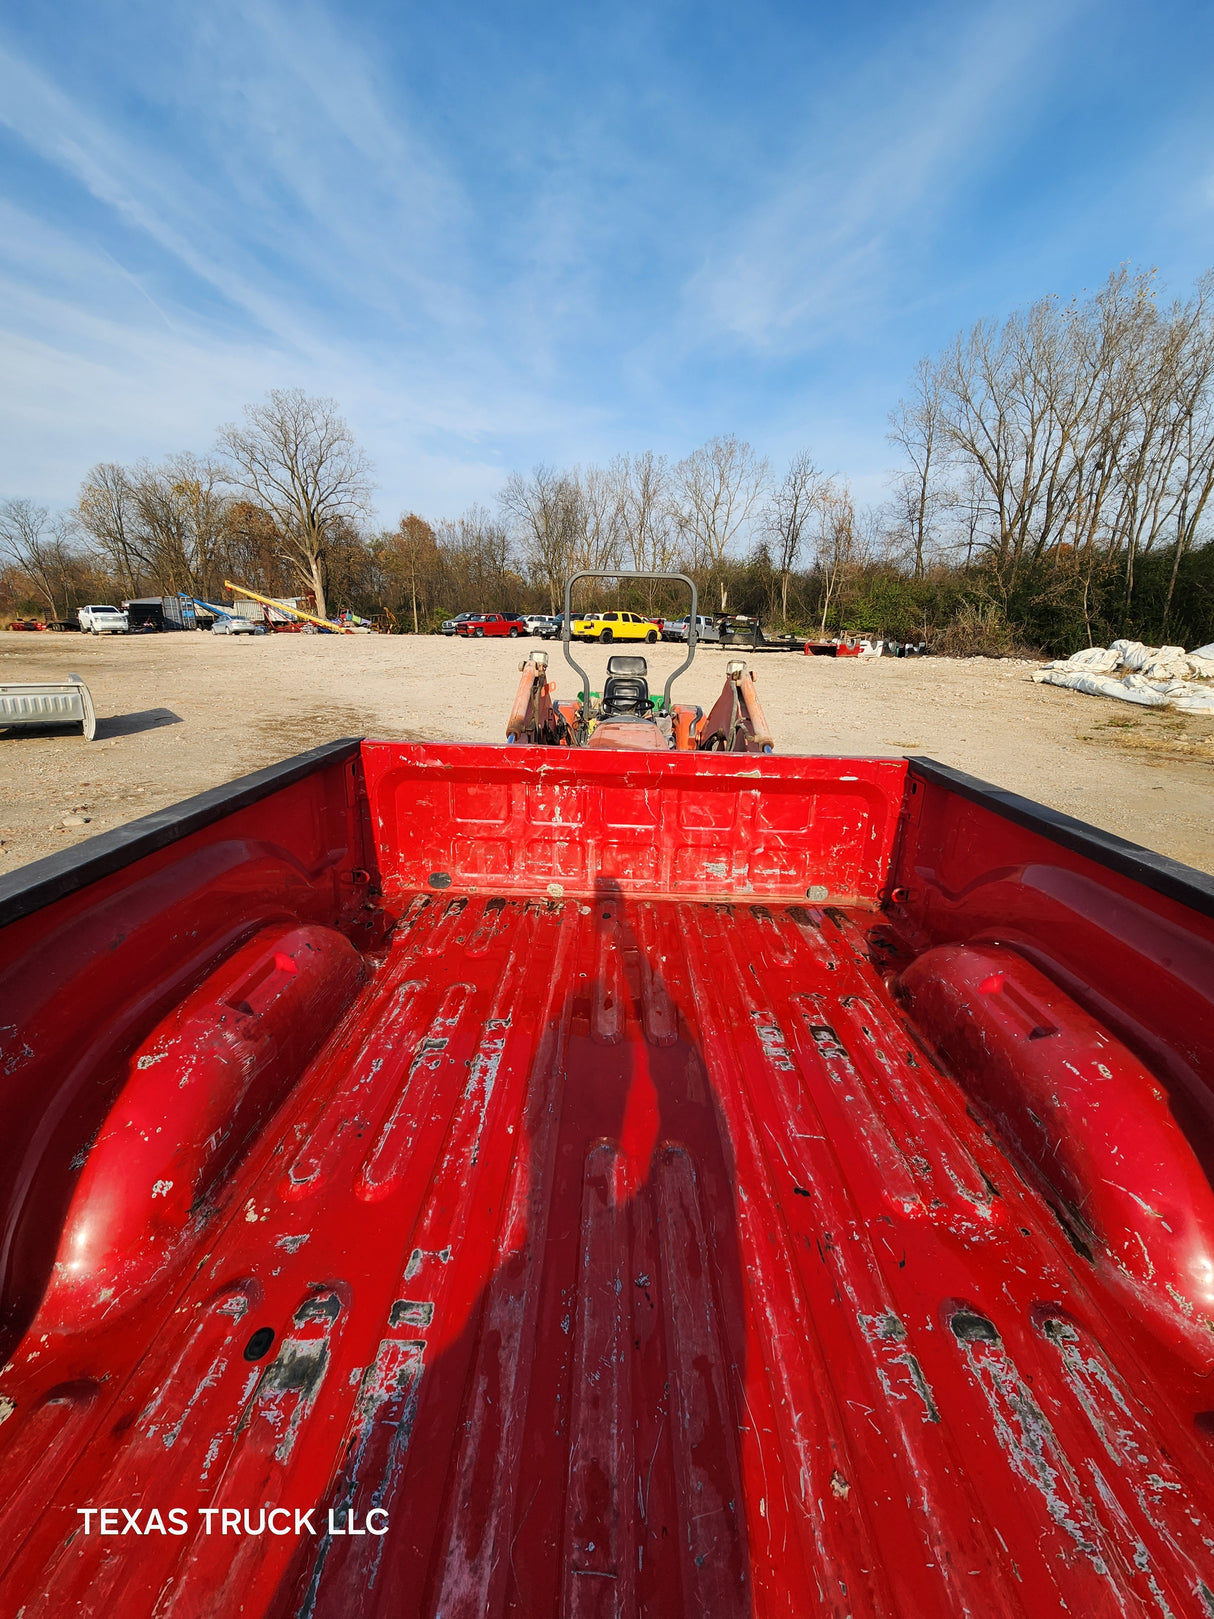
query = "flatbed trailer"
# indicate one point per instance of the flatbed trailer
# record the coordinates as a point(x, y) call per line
point(461, 1180)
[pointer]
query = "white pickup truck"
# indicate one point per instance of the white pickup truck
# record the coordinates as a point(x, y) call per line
point(102, 620)
point(707, 629)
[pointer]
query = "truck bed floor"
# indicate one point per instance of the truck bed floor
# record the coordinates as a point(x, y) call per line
point(693, 1289)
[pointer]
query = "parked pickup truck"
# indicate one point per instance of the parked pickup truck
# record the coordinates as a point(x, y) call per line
point(102, 620)
point(511, 624)
point(462, 1180)
point(733, 630)
point(607, 627)
point(706, 630)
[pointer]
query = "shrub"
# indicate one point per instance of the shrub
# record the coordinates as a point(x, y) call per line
point(978, 629)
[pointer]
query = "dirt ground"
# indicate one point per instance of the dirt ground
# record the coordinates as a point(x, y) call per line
point(181, 713)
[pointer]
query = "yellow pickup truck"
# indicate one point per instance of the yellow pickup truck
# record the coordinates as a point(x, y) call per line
point(614, 627)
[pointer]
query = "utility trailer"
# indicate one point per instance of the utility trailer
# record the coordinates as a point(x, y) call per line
point(462, 1180)
point(161, 613)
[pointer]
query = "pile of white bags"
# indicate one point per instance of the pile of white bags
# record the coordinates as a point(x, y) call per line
point(1155, 677)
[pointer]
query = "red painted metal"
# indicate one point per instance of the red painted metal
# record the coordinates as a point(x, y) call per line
point(200, 1087)
point(533, 820)
point(624, 1247)
point(1073, 1105)
point(1139, 961)
point(736, 720)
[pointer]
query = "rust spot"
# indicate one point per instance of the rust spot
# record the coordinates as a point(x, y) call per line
point(411, 1313)
point(320, 1307)
point(299, 1367)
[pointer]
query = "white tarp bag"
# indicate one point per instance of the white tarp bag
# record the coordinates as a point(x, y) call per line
point(1159, 677)
point(1102, 686)
point(1194, 699)
point(1156, 663)
point(1097, 660)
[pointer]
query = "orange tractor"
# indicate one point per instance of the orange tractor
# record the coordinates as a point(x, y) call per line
point(626, 717)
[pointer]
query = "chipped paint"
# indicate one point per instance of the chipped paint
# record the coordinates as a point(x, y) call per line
point(411, 1313)
point(482, 1074)
point(375, 1449)
point(419, 1256)
point(1027, 1439)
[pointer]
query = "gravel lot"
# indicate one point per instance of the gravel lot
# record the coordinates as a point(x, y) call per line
point(180, 713)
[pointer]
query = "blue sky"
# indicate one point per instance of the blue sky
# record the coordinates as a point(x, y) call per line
point(511, 233)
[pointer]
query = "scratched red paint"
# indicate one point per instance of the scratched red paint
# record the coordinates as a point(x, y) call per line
point(621, 1236)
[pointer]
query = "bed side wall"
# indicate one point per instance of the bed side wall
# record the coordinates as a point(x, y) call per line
point(1129, 934)
point(85, 975)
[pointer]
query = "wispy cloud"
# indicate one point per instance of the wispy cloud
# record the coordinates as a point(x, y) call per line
point(301, 233)
point(498, 238)
point(294, 180)
point(877, 161)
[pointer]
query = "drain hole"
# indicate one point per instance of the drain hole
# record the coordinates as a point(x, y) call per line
point(972, 1328)
point(259, 1344)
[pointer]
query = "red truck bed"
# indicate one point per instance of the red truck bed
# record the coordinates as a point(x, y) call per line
point(548, 1162)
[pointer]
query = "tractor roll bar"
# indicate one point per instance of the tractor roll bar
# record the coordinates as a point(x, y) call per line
point(627, 573)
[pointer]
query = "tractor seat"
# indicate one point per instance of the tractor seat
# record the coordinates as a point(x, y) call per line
point(626, 690)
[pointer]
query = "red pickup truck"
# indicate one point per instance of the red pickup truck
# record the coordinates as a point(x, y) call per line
point(467, 1180)
point(511, 624)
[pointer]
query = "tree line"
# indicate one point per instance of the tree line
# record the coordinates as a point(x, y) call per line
point(1054, 486)
point(1068, 454)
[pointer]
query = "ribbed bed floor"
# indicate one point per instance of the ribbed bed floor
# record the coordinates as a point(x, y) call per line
point(632, 1259)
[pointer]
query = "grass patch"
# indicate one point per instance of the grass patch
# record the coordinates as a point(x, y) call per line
point(1159, 736)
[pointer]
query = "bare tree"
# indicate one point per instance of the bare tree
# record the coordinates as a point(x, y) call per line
point(180, 511)
point(296, 458)
point(1078, 423)
point(476, 549)
point(650, 533)
point(603, 498)
point(167, 526)
point(838, 543)
point(106, 510)
point(1194, 471)
point(918, 430)
point(41, 546)
point(548, 512)
point(787, 515)
point(967, 505)
point(716, 488)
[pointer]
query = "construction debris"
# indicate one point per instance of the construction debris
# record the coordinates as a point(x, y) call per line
point(274, 605)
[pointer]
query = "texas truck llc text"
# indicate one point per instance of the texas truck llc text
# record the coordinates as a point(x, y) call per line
point(231, 1521)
